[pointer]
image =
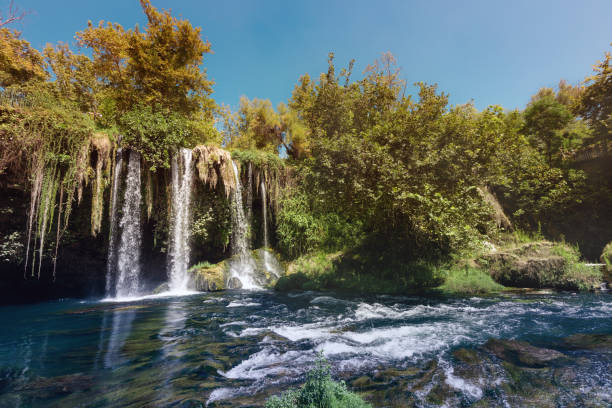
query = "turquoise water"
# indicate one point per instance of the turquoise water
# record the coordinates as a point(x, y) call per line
point(237, 348)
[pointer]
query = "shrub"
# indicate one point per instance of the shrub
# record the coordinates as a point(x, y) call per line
point(319, 391)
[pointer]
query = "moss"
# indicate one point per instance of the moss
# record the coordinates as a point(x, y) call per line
point(541, 264)
point(208, 277)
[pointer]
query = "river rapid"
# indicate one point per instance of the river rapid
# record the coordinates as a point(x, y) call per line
point(237, 348)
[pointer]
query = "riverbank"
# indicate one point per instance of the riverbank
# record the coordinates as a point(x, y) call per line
point(518, 261)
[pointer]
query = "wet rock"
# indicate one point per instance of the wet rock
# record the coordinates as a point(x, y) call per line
point(426, 377)
point(362, 382)
point(210, 278)
point(531, 265)
point(161, 288)
point(523, 353)
point(234, 283)
point(595, 342)
point(467, 356)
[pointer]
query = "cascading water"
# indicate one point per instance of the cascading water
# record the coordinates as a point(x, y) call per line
point(270, 262)
point(242, 266)
point(178, 255)
point(128, 255)
point(264, 214)
point(111, 260)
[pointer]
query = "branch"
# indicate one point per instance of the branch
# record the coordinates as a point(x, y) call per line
point(14, 14)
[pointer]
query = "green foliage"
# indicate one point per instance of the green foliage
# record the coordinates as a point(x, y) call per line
point(595, 104)
point(544, 120)
point(469, 281)
point(319, 391)
point(300, 230)
point(201, 265)
point(258, 158)
point(577, 275)
point(606, 256)
point(211, 226)
point(155, 133)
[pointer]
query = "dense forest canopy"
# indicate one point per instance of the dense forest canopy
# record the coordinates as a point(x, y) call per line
point(370, 158)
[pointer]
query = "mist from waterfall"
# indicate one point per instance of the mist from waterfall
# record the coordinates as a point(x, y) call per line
point(128, 254)
point(111, 260)
point(242, 266)
point(180, 222)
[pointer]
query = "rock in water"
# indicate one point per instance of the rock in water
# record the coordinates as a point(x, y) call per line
point(234, 283)
point(523, 353)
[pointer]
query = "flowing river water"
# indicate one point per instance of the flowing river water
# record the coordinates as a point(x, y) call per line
point(236, 348)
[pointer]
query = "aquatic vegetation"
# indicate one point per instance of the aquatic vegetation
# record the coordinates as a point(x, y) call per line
point(319, 391)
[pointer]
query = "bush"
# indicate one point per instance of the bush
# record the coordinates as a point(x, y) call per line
point(319, 391)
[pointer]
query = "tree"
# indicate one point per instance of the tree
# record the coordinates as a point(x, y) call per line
point(595, 105)
point(19, 62)
point(12, 14)
point(160, 66)
point(544, 119)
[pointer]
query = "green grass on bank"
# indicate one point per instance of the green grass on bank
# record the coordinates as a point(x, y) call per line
point(527, 255)
point(469, 281)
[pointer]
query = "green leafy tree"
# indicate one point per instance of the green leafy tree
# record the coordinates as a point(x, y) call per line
point(544, 120)
point(595, 104)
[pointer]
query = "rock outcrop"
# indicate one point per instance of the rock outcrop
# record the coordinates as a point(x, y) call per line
point(532, 265)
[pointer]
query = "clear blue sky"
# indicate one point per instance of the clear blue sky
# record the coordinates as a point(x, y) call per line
point(492, 52)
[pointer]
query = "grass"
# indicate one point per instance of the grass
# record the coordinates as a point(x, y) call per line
point(319, 391)
point(469, 281)
point(201, 265)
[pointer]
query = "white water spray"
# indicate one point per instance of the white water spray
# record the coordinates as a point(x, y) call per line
point(128, 257)
point(242, 266)
point(180, 222)
point(111, 260)
point(271, 264)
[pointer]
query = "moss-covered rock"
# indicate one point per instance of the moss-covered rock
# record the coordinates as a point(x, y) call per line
point(210, 278)
point(541, 264)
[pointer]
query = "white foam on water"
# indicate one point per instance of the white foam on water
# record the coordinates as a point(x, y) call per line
point(459, 383)
point(268, 363)
point(243, 304)
point(167, 294)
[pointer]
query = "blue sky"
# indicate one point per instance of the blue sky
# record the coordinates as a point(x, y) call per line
point(491, 52)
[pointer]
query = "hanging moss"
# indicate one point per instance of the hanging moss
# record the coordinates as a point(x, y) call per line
point(103, 147)
point(214, 165)
point(53, 158)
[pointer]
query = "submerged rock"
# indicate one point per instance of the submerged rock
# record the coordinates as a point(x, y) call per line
point(523, 353)
point(595, 342)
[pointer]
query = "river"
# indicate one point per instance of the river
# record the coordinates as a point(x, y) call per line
point(237, 347)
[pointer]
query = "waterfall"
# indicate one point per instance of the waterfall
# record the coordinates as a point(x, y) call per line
point(128, 255)
point(271, 264)
point(242, 265)
point(112, 250)
point(180, 222)
point(264, 214)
